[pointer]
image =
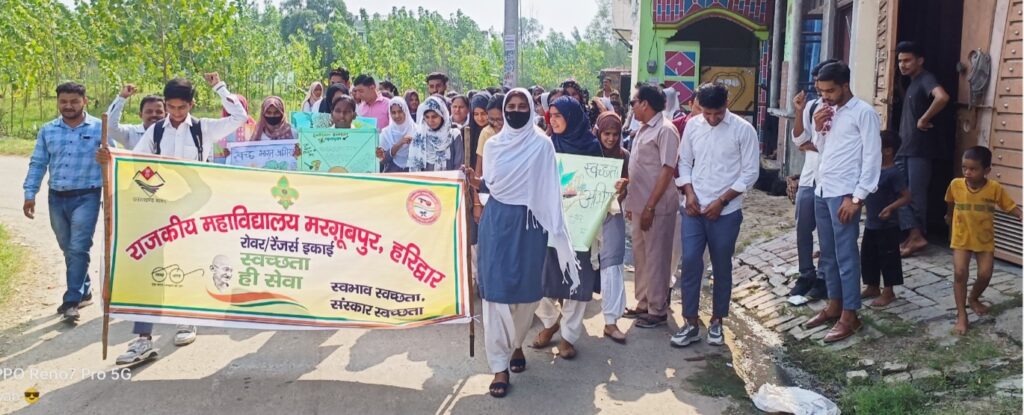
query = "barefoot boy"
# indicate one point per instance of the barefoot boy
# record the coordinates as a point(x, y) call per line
point(972, 202)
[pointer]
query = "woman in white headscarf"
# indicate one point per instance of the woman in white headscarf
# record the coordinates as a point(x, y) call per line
point(523, 216)
point(397, 136)
point(316, 91)
point(436, 146)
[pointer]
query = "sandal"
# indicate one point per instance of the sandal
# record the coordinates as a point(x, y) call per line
point(500, 389)
point(517, 365)
point(543, 338)
point(566, 350)
point(633, 312)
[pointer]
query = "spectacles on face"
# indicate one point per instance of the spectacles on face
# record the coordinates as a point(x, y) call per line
point(633, 103)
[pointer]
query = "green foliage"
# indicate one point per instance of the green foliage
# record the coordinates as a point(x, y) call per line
point(881, 398)
point(11, 263)
point(264, 48)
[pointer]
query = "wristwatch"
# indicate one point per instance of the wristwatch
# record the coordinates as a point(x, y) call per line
point(857, 201)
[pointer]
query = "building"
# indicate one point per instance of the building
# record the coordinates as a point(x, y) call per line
point(683, 43)
point(979, 40)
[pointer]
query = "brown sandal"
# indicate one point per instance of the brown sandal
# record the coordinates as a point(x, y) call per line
point(543, 338)
point(566, 350)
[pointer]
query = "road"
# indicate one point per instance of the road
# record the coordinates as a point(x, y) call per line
point(230, 371)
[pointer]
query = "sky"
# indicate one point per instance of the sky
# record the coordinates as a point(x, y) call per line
point(557, 15)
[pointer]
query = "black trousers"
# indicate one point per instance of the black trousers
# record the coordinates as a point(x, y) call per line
point(880, 257)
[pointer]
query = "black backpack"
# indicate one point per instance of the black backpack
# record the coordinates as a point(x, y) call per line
point(195, 129)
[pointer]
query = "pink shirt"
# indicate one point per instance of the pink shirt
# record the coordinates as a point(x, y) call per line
point(378, 109)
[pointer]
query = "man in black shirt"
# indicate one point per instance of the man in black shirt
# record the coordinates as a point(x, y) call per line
point(924, 100)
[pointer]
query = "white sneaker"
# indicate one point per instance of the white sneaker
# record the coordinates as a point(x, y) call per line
point(185, 336)
point(715, 335)
point(139, 350)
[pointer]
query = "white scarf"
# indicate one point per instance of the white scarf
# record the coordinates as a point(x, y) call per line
point(520, 169)
point(429, 146)
point(394, 132)
point(671, 103)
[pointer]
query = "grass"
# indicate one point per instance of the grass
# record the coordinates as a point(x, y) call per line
point(10, 146)
point(889, 327)
point(718, 380)
point(827, 366)
point(10, 263)
point(884, 399)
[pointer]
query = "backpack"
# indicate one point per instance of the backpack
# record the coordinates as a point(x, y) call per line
point(195, 129)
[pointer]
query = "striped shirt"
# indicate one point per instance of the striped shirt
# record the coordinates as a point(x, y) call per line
point(69, 154)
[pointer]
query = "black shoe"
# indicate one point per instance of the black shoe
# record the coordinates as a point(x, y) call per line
point(71, 314)
point(64, 307)
point(802, 286)
point(819, 292)
point(86, 300)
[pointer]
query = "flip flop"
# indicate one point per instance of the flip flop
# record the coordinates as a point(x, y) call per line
point(501, 386)
point(517, 365)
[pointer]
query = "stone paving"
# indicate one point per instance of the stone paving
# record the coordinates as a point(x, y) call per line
point(765, 270)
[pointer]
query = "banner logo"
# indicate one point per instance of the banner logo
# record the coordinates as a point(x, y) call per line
point(423, 206)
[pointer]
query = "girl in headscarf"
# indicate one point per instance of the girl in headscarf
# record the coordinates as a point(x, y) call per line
point(437, 145)
point(316, 91)
point(572, 135)
point(613, 232)
point(333, 92)
point(477, 123)
point(272, 124)
point(413, 99)
point(495, 121)
point(396, 137)
point(244, 133)
point(460, 110)
point(524, 214)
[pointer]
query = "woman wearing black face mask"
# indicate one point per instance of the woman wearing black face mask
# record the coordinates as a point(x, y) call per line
point(272, 124)
point(523, 213)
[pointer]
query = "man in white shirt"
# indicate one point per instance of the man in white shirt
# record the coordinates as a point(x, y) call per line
point(718, 163)
point(177, 135)
point(849, 140)
point(151, 110)
point(181, 136)
point(811, 283)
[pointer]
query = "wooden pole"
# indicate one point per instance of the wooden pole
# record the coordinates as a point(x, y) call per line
point(468, 192)
point(108, 169)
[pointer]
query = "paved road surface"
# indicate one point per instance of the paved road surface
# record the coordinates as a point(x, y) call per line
point(425, 370)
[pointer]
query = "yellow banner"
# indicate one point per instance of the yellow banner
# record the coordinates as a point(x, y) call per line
point(229, 246)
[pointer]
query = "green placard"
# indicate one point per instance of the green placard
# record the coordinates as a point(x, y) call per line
point(588, 187)
point(338, 150)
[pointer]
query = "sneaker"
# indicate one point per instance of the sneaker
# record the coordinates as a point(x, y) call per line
point(648, 321)
point(63, 307)
point(185, 336)
point(818, 292)
point(715, 335)
point(139, 350)
point(802, 287)
point(86, 300)
point(71, 313)
point(689, 334)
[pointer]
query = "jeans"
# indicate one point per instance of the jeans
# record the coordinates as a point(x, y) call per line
point(917, 171)
point(142, 328)
point(805, 232)
point(719, 237)
point(880, 257)
point(73, 219)
point(840, 258)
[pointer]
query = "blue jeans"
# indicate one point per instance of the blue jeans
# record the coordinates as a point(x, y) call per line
point(142, 328)
point(917, 172)
point(719, 237)
point(840, 258)
point(805, 224)
point(73, 219)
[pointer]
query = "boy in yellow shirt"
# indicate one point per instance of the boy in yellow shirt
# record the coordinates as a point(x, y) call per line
point(972, 203)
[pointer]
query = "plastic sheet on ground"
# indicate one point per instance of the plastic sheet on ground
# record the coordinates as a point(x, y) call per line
point(793, 400)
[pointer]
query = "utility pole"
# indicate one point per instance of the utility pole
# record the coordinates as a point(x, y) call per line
point(511, 42)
